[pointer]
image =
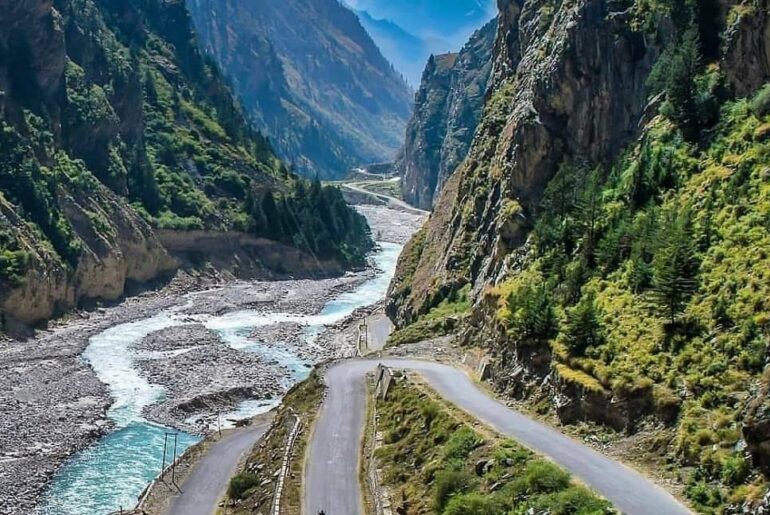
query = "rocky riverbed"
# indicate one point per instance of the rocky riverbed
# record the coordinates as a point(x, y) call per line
point(52, 404)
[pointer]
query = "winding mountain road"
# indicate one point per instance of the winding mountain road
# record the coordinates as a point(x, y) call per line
point(332, 470)
point(206, 484)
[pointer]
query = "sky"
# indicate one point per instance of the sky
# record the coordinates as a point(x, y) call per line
point(440, 26)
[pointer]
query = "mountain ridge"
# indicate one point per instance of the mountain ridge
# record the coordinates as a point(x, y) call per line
point(114, 126)
point(601, 240)
point(333, 103)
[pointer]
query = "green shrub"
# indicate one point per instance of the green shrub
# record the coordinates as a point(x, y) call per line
point(241, 484)
point(575, 500)
point(760, 104)
point(475, 504)
point(735, 470)
point(450, 483)
point(539, 477)
point(460, 445)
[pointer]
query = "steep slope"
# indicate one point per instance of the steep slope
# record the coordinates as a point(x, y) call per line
point(311, 78)
point(610, 228)
point(447, 110)
point(113, 125)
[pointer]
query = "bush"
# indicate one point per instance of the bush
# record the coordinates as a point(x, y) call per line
point(538, 478)
point(735, 470)
point(448, 484)
point(12, 265)
point(575, 500)
point(475, 504)
point(241, 484)
point(760, 104)
point(460, 445)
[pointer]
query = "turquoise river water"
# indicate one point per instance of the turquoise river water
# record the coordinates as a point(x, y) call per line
point(111, 474)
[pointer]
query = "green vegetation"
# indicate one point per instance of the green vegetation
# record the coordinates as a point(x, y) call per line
point(253, 486)
point(454, 470)
point(665, 286)
point(144, 114)
point(439, 321)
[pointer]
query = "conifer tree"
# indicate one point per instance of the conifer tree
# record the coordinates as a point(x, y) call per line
point(582, 328)
point(675, 264)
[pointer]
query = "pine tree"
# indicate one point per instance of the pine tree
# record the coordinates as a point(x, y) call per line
point(589, 210)
point(682, 105)
point(532, 315)
point(675, 264)
point(582, 328)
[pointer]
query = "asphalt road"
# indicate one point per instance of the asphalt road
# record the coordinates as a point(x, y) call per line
point(393, 202)
point(205, 486)
point(331, 482)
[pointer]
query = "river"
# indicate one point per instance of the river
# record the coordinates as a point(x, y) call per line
point(110, 474)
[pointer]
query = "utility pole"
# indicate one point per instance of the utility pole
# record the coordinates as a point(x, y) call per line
point(165, 444)
point(173, 463)
point(219, 423)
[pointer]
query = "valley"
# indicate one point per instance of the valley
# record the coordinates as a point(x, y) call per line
point(182, 356)
point(221, 219)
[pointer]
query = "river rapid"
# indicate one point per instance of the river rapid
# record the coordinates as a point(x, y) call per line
point(109, 475)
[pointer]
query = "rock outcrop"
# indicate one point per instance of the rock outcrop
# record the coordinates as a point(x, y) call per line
point(447, 110)
point(747, 49)
point(574, 121)
point(311, 78)
point(567, 84)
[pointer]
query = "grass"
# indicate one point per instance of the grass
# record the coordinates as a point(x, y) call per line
point(435, 461)
point(439, 321)
point(253, 487)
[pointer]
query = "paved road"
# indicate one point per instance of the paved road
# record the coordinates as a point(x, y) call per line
point(393, 202)
point(205, 486)
point(333, 464)
point(379, 328)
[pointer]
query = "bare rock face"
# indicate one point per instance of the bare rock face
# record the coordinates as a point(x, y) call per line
point(570, 84)
point(33, 25)
point(118, 247)
point(448, 107)
point(747, 49)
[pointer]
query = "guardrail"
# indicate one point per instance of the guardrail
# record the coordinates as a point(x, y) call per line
point(285, 466)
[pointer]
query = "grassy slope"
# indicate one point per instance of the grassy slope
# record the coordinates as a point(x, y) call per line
point(435, 461)
point(709, 360)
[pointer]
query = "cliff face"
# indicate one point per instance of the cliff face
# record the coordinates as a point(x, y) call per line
point(447, 110)
point(603, 224)
point(112, 125)
point(311, 78)
point(569, 83)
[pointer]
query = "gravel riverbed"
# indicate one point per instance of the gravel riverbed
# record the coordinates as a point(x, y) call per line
point(52, 404)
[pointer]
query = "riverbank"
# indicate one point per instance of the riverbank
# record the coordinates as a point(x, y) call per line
point(54, 405)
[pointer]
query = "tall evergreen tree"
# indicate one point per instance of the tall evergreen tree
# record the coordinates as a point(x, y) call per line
point(582, 328)
point(675, 264)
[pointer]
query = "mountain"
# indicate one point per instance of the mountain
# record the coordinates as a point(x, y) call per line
point(407, 52)
point(447, 109)
point(311, 79)
point(408, 33)
point(451, 21)
point(605, 238)
point(120, 143)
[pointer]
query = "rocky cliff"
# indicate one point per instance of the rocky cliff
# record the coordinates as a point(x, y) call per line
point(311, 78)
point(447, 110)
point(606, 223)
point(113, 125)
